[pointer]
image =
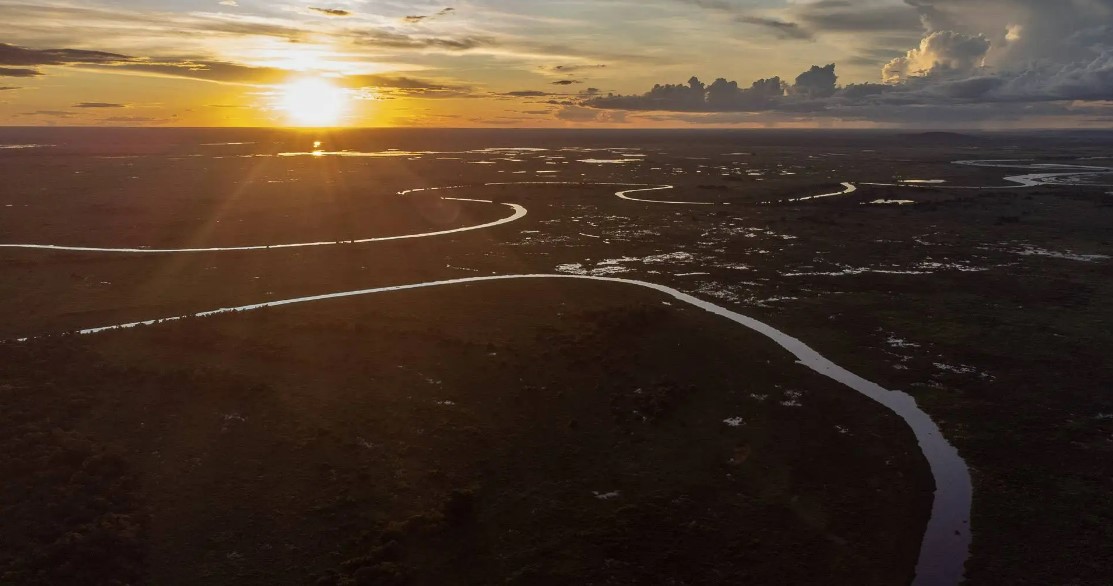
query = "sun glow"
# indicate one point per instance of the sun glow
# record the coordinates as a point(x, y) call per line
point(313, 102)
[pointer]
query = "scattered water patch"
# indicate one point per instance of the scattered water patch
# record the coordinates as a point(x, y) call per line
point(792, 399)
point(1029, 250)
point(896, 342)
point(898, 202)
point(24, 146)
point(370, 154)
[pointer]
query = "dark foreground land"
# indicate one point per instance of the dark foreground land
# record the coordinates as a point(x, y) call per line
point(557, 431)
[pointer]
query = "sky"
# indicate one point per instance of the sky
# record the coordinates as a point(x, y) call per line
point(559, 63)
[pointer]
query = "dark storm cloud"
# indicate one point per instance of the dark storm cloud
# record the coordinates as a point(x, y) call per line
point(526, 94)
point(818, 82)
point(983, 60)
point(566, 82)
point(858, 91)
point(18, 72)
point(99, 105)
point(331, 11)
point(1079, 81)
point(695, 96)
point(8, 87)
point(815, 93)
point(1037, 52)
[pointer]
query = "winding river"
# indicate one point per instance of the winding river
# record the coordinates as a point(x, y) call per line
point(1029, 180)
point(946, 540)
point(945, 545)
point(519, 212)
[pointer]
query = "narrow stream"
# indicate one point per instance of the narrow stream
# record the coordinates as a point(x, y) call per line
point(946, 541)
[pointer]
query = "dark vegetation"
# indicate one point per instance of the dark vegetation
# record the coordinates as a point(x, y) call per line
point(288, 446)
point(358, 443)
point(68, 501)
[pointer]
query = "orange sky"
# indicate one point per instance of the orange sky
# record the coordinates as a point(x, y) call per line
point(553, 63)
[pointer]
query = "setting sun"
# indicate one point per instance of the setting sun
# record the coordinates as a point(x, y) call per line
point(313, 102)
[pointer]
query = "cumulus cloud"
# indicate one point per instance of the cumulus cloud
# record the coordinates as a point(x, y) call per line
point(942, 53)
point(1010, 51)
point(975, 60)
point(695, 96)
point(1023, 31)
point(1083, 81)
point(817, 82)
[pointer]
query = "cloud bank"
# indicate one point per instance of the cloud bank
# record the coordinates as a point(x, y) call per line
point(972, 55)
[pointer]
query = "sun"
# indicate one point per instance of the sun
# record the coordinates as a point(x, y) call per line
point(313, 102)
